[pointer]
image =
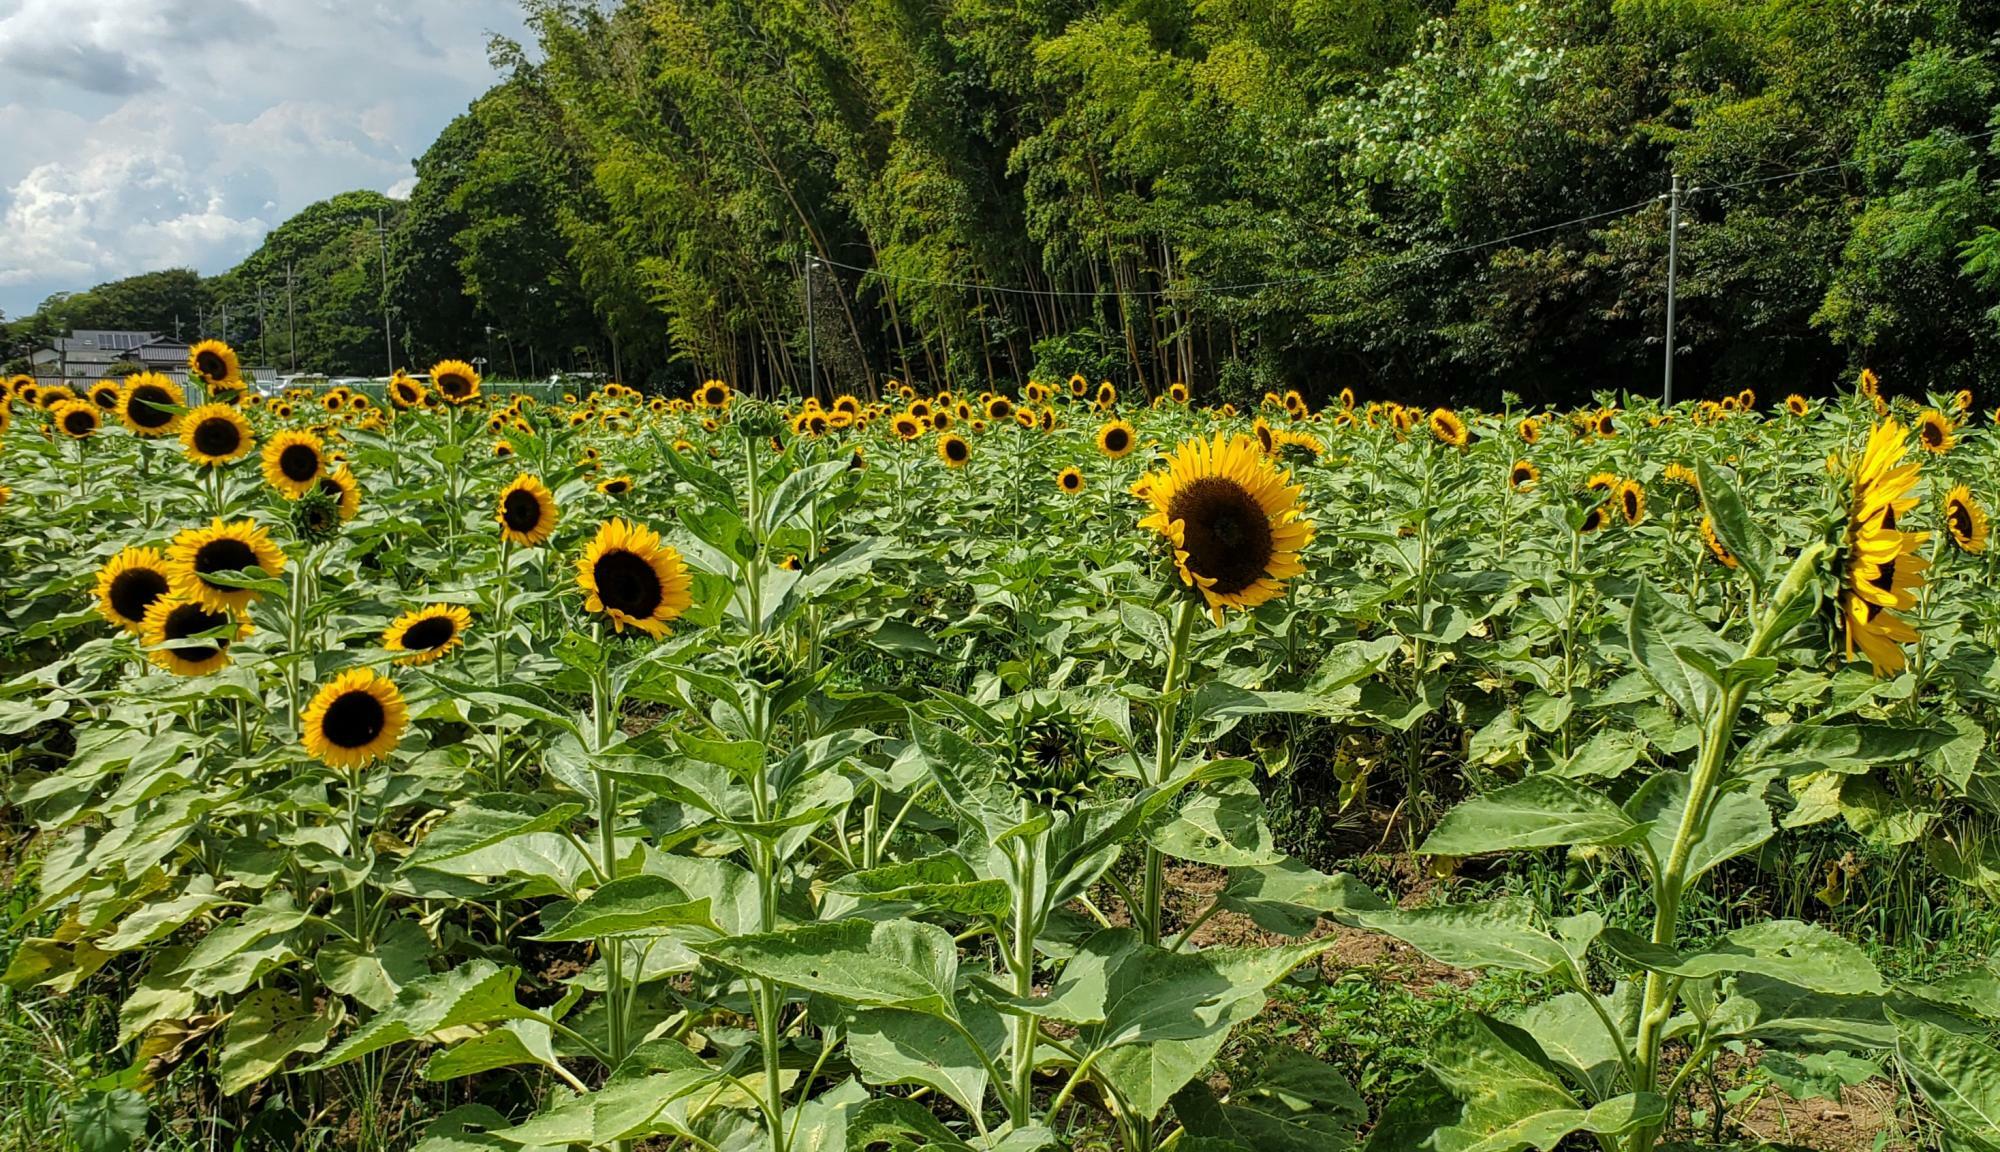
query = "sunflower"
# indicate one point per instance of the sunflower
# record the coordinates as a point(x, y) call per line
point(503, 449)
point(427, 634)
point(1870, 384)
point(345, 490)
point(1965, 520)
point(215, 434)
point(104, 394)
point(215, 365)
point(198, 553)
point(1523, 475)
point(1605, 423)
point(999, 408)
point(1177, 392)
point(1529, 430)
point(455, 381)
point(356, 717)
point(1346, 398)
point(1233, 519)
point(953, 450)
point(129, 583)
point(1026, 418)
point(1746, 399)
point(1070, 480)
point(1448, 428)
point(1796, 404)
point(78, 419)
point(627, 574)
point(1882, 569)
point(941, 420)
point(1295, 402)
point(615, 485)
point(1116, 439)
point(1631, 501)
point(293, 462)
point(172, 623)
point(712, 394)
point(47, 398)
point(405, 393)
point(1267, 436)
point(1078, 386)
point(1602, 481)
point(527, 511)
point(1595, 519)
point(1961, 401)
point(1107, 395)
point(1047, 422)
point(1934, 432)
point(1678, 473)
point(1713, 542)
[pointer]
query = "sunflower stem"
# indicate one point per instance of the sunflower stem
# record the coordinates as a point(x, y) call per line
point(1166, 726)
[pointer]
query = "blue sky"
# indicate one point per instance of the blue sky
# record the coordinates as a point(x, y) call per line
point(142, 134)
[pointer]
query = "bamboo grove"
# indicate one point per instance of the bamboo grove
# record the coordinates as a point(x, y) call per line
point(714, 774)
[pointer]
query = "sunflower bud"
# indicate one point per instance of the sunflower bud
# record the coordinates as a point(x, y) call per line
point(768, 663)
point(316, 516)
point(757, 420)
point(1051, 759)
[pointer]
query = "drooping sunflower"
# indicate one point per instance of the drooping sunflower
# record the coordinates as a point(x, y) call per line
point(344, 488)
point(215, 365)
point(215, 434)
point(1233, 519)
point(427, 634)
point(615, 485)
point(1796, 405)
point(1934, 432)
point(172, 626)
point(627, 574)
point(1070, 480)
point(953, 450)
point(1965, 520)
point(1882, 568)
point(356, 717)
point(293, 462)
point(1716, 548)
point(77, 419)
point(1523, 475)
point(1448, 428)
point(1116, 439)
point(1631, 501)
point(1678, 473)
point(456, 381)
point(146, 404)
point(199, 553)
point(527, 511)
point(129, 583)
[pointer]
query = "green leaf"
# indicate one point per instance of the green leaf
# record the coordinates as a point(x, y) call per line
point(630, 906)
point(267, 1027)
point(621, 1110)
point(513, 1043)
point(1510, 1094)
point(1958, 1075)
point(1758, 1007)
point(1572, 1035)
point(1539, 812)
point(1289, 898)
point(1678, 653)
point(1795, 749)
point(891, 1047)
point(1293, 1103)
point(893, 964)
point(1497, 934)
point(106, 1121)
point(943, 883)
point(486, 820)
point(1737, 823)
point(1224, 826)
point(474, 993)
point(1797, 953)
point(1738, 532)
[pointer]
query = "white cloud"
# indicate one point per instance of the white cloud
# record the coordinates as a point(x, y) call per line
point(137, 134)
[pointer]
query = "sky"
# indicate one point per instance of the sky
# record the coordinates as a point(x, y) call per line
point(146, 134)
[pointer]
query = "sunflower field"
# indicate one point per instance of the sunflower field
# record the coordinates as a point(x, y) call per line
point(443, 769)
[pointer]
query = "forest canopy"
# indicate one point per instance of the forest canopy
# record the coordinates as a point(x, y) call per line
point(1424, 200)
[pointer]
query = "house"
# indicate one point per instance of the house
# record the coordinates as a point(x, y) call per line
point(88, 354)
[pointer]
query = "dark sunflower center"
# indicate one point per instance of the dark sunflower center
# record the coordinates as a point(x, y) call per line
point(192, 620)
point(106, 398)
point(1961, 520)
point(226, 554)
point(521, 509)
point(134, 590)
point(148, 406)
point(1933, 435)
point(1116, 439)
point(955, 449)
point(353, 720)
point(1071, 480)
point(1631, 506)
point(299, 463)
point(1885, 577)
point(1522, 475)
point(454, 385)
point(1000, 408)
point(211, 365)
point(216, 436)
point(430, 632)
point(79, 421)
point(713, 397)
point(1227, 535)
point(626, 582)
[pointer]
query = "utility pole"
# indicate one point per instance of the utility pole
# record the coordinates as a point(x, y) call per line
point(388, 341)
point(263, 333)
point(812, 351)
point(291, 319)
point(1673, 262)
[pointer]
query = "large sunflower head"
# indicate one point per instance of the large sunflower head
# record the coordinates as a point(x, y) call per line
point(356, 717)
point(77, 419)
point(215, 434)
point(999, 408)
point(1965, 520)
point(1881, 567)
point(1631, 501)
point(147, 404)
point(1448, 428)
point(293, 462)
point(340, 484)
point(1934, 432)
point(1233, 520)
point(1116, 439)
point(427, 634)
point(197, 555)
point(713, 394)
point(190, 639)
point(907, 427)
point(215, 365)
point(456, 381)
point(405, 393)
point(1523, 475)
point(954, 450)
point(1177, 392)
point(527, 511)
point(629, 575)
point(128, 585)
